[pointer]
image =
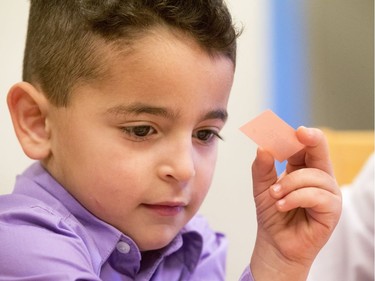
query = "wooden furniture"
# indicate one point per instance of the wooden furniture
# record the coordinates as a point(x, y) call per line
point(349, 151)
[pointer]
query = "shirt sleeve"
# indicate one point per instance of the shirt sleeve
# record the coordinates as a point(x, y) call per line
point(349, 254)
point(36, 245)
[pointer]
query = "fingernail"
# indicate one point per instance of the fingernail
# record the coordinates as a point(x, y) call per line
point(310, 131)
point(276, 188)
point(280, 203)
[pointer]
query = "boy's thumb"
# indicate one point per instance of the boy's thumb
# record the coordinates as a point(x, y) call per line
point(263, 171)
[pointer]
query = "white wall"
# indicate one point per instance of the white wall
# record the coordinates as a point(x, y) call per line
point(229, 206)
point(13, 21)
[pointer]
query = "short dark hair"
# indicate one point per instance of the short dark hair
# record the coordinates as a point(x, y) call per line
point(65, 37)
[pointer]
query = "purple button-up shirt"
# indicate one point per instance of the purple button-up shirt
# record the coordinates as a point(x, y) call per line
point(45, 234)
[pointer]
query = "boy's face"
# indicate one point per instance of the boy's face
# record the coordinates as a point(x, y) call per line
point(138, 148)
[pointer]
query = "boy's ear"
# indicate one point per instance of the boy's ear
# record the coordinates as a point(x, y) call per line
point(28, 109)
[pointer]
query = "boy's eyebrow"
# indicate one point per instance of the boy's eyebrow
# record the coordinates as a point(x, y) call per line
point(220, 114)
point(140, 108)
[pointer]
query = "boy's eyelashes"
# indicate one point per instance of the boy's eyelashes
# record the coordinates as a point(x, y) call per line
point(139, 132)
point(207, 135)
point(143, 132)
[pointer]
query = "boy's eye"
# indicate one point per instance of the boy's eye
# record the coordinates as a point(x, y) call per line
point(139, 132)
point(207, 135)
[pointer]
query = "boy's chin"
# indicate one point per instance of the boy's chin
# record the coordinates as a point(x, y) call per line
point(158, 242)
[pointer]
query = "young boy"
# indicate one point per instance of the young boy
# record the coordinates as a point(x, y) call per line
point(122, 105)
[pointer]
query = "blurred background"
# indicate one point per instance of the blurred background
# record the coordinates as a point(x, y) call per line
point(312, 62)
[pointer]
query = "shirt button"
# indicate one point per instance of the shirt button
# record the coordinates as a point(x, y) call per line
point(123, 247)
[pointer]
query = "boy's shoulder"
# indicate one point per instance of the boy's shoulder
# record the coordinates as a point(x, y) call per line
point(35, 194)
point(42, 225)
point(31, 210)
point(40, 238)
point(38, 200)
point(20, 209)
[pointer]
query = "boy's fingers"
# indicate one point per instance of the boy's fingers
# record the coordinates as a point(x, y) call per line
point(315, 154)
point(263, 171)
point(319, 200)
point(302, 178)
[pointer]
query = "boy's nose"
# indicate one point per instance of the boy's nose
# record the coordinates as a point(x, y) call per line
point(179, 164)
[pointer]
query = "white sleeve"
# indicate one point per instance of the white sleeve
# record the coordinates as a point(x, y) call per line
point(349, 254)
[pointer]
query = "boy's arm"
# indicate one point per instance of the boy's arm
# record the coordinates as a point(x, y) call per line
point(297, 212)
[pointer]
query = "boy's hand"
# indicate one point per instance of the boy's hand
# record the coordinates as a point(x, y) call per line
point(297, 212)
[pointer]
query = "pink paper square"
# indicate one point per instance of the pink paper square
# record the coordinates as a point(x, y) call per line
point(273, 134)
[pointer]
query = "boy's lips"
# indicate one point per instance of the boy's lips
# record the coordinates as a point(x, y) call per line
point(166, 209)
